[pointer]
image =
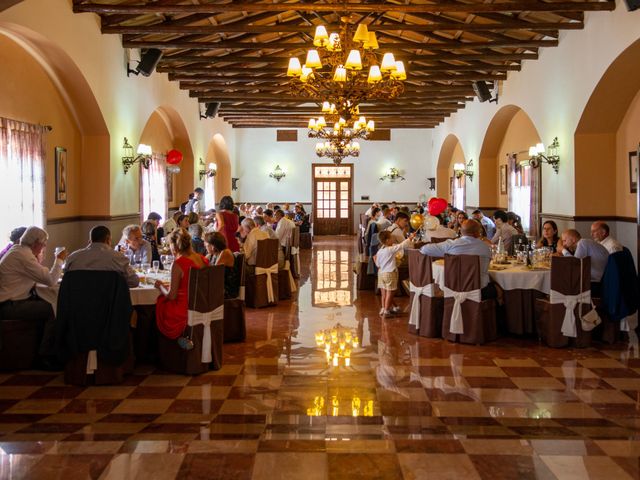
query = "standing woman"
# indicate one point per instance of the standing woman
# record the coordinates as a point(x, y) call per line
point(227, 222)
point(172, 304)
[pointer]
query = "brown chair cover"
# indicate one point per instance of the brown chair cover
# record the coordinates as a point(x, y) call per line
point(462, 274)
point(565, 279)
point(439, 239)
point(295, 253)
point(256, 289)
point(306, 241)
point(20, 343)
point(75, 370)
point(235, 329)
point(431, 308)
point(284, 285)
point(206, 294)
point(364, 281)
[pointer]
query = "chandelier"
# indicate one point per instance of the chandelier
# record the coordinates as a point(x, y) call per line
point(338, 343)
point(340, 140)
point(344, 70)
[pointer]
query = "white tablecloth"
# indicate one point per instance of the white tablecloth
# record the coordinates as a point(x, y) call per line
point(515, 277)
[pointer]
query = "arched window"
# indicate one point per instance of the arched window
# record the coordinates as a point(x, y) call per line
point(520, 189)
point(153, 187)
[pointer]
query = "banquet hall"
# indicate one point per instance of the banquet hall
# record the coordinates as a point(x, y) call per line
point(112, 110)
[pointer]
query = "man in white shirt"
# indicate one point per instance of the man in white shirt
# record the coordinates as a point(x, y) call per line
point(99, 255)
point(284, 228)
point(368, 212)
point(572, 244)
point(600, 233)
point(133, 246)
point(383, 221)
point(398, 228)
point(262, 225)
point(20, 271)
point(439, 232)
point(504, 231)
point(198, 201)
point(250, 246)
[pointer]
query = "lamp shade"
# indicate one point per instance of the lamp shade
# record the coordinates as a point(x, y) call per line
point(388, 62)
point(144, 149)
point(374, 74)
point(362, 33)
point(540, 147)
point(312, 124)
point(372, 42)
point(354, 62)
point(313, 59)
point(458, 167)
point(321, 122)
point(295, 69)
point(533, 151)
point(340, 74)
point(399, 73)
point(326, 106)
point(212, 167)
point(371, 126)
point(306, 72)
point(321, 36)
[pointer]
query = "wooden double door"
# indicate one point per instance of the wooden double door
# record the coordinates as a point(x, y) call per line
point(332, 199)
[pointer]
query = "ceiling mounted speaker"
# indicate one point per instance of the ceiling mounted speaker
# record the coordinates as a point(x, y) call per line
point(148, 61)
point(211, 110)
point(632, 5)
point(482, 90)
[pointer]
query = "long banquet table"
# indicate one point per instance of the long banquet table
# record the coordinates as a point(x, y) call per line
point(521, 287)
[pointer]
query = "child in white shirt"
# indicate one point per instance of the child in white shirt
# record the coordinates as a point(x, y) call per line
point(385, 260)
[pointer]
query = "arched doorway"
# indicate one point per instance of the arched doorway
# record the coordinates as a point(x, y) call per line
point(505, 179)
point(605, 139)
point(218, 153)
point(447, 185)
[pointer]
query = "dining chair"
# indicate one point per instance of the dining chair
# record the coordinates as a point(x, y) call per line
point(426, 301)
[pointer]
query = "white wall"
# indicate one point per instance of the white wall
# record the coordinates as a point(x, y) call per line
point(257, 154)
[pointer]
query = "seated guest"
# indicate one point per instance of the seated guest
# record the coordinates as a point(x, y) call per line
point(384, 218)
point(258, 211)
point(183, 221)
point(301, 219)
point(171, 224)
point(150, 234)
point(14, 238)
point(399, 227)
point(99, 255)
point(486, 222)
point(134, 246)
point(440, 232)
point(193, 218)
point(572, 244)
point(172, 304)
point(197, 244)
point(219, 254)
point(369, 211)
point(227, 222)
point(286, 208)
point(504, 231)
point(450, 216)
point(468, 244)
point(252, 234)
point(515, 221)
point(549, 235)
point(600, 233)
point(460, 218)
point(268, 218)
point(284, 228)
point(155, 218)
point(262, 225)
point(20, 270)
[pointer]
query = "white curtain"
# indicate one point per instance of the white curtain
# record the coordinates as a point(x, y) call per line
point(209, 192)
point(458, 193)
point(520, 198)
point(22, 154)
point(154, 187)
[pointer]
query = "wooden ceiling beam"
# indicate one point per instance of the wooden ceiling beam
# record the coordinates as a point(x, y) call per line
point(439, 7)
point(472, 76)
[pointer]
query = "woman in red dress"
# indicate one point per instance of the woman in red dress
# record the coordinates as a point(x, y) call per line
point(227, 223)
point(172, 304)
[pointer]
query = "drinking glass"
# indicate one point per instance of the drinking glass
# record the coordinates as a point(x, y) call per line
point(163, 259)
point(146, 268)
point(156, 266)
point(169, 262)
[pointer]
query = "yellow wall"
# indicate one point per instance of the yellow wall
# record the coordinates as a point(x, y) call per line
point(627, 139)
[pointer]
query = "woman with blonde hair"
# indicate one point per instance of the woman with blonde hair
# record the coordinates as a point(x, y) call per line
point(172, 304)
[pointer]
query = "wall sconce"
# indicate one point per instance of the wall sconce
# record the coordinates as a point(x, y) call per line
point(392, 175)
point(234, 183)
point(432, 183)
point(460, 170)
point(278, 173)
point(143, 155)
point(209, 171)
point(537, 155)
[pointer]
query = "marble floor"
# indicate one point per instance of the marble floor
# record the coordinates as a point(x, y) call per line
point(378, 403)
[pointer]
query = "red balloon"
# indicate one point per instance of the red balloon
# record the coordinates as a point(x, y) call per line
point(174, 157)
point(436, 206)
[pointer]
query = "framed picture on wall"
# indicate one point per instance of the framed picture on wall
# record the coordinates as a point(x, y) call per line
point(169, 187)
point(633, 172)
point(61, 174)
point(503, 179)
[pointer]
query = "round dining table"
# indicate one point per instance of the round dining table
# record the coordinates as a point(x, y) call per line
point(520, 286)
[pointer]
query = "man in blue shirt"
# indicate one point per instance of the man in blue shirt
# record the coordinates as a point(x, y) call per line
point(572, 244)
point(486, 222)
point(468, 244)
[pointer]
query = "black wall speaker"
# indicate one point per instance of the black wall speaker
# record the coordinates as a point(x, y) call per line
point(211, 110)
point(148, 61)
point(632, 5)
point(482, 90)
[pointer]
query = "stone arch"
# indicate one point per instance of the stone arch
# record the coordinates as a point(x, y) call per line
point(600, 165)
point(450, 153)
point(93, 154)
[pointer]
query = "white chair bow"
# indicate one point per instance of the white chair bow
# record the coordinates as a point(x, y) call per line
point(427, 290)
point(92, 361)
point(198, 318)
point(570, 302)
point(629, 323)
point(273, 269)
point(456, 325)
point(292, 282)
point(295, 251)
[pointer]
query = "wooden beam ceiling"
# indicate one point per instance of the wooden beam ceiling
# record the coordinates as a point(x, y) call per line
point(236, 52)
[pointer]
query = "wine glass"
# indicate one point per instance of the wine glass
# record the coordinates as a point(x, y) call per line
point(163, 260)
point(156, 266)
point(169, 262)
